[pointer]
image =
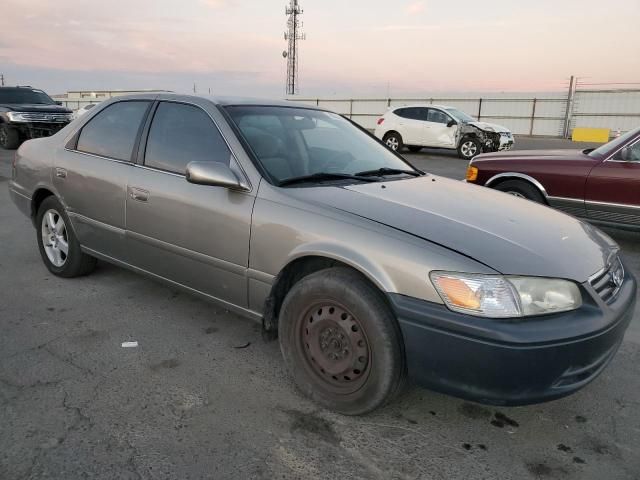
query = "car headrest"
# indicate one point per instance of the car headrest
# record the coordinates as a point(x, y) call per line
point(264, 144)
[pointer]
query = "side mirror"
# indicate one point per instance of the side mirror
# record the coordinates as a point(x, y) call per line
point(215, 174)
point(451, 123)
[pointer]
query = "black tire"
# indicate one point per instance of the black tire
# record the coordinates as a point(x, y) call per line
point(76, 262)
point(414, 148)
point(393, 141)
point(521, 188)
point(372, 357)
point(469, 147)
point(9, 137)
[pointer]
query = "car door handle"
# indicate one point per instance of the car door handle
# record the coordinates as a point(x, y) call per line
point(61, 173)
point(138, 194)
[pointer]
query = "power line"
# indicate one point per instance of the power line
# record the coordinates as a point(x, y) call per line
point(292, 35)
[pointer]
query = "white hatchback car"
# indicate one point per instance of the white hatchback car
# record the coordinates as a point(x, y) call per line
point(438, 126)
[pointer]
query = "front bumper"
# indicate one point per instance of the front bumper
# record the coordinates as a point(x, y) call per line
point(512, 362)
point(30, 130)
point(506, 142)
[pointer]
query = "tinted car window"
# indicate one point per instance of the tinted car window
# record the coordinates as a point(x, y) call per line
point(437, 116)
point(181, 134)
point(25, 96)
point(630, 153)
point(412, 113)
point(112, 132)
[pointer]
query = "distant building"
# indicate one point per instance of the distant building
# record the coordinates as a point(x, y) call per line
point(75, 99)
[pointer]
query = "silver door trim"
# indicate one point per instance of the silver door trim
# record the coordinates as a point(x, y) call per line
point(621, 206)
point(522, 176)
point(240, 270)
point(260, 276)
point(95, 223)
point(115, 160)
point(245, 312)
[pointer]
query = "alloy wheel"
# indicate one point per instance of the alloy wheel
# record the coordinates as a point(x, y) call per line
point(516, 194)
point(54, 238)
point(392, 143)
point(469, 149)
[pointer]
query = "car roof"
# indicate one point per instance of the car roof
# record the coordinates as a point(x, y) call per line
point(422, 105)
point(222, 100)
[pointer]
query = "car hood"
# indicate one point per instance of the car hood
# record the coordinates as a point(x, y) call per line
point(486, 126)
point(34, 107)
point(510, 235)
point(570, 154)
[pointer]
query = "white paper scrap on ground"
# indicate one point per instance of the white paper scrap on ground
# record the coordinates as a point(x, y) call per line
point(129, 344)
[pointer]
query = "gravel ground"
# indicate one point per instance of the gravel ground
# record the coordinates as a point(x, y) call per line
point(190, 403)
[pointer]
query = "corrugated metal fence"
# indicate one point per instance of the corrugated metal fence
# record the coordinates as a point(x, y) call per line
point(544, 114)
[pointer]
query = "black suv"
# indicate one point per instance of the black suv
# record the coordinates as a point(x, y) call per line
point(26, 113)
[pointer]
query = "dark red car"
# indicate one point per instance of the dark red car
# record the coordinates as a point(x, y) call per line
point(601, 185)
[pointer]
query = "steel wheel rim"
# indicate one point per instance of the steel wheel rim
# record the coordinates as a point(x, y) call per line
point(335, 347)
point(392, 142)
point(469, 149)
point(54, 238)
point(516, 194)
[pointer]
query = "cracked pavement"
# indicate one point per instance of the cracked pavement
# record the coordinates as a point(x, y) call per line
point(186, 404)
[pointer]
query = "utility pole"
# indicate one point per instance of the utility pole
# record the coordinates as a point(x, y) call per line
point(292, 35)
point(1, 80)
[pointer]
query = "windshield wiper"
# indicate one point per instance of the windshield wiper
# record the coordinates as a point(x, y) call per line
point(324, 176)
point(379, 172)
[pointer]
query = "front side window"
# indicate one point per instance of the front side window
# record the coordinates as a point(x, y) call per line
point(437, 116)
point(306, 142)
point(112, 132)
point(613, 144)
point(630, 153)
point(181, 134)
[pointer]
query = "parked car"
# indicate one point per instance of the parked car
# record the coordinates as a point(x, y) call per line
point(81, 111)
point(601, 185)
point(26, 113)
point(438, 126)
point(366, 267)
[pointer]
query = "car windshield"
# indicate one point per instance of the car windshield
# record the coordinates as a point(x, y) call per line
point(460, 116)
point(613, 144)
point(294, 142)
point(25, 95)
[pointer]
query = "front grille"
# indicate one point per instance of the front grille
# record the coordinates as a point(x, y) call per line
point(45, 117)
point(607, 283)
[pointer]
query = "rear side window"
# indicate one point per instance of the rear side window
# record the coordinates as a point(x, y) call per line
point(412, 113)
point(112, 132)
point(181, 134)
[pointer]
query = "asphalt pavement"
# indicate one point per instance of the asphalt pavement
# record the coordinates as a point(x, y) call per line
point(202, 396)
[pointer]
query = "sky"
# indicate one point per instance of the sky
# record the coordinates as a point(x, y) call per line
point(352, 48)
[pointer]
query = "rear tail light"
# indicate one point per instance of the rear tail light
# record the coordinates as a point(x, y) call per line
point(380, 120)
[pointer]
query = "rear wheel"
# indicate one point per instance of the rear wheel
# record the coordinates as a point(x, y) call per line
point(341, 342)
point(469, 147)
point(522, 189)
point(59, 247)
point(9, 137)
point(393, 140)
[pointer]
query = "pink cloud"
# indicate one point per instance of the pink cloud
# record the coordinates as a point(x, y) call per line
point(416, 7)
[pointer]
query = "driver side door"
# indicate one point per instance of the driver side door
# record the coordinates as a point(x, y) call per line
point(439, 134)
point(612, 190)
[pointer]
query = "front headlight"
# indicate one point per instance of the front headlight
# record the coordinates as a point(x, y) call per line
point(499, 296)
point(16, 117)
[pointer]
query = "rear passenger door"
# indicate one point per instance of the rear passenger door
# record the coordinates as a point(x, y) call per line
point(195, 235)
point(411, 124)
point(91, 175)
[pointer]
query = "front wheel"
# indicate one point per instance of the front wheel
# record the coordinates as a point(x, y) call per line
point(469, 148)
point(341, 342)
point(393, 140)
point(522, 189)
point(59, 247)
point(9, 137)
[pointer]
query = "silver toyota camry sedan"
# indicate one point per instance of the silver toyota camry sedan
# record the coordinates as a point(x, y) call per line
point(367, 269)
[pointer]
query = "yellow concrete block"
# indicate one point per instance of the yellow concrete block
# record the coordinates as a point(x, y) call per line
point(590, 135)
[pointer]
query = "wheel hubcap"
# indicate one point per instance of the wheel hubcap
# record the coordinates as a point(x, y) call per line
point(469, 149)
point(54, 238)
point(516, 194)
point(392, 142)
point(335, 346)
